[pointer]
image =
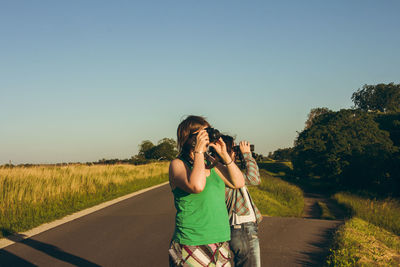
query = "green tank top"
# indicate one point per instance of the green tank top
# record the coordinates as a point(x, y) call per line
point(202, 218)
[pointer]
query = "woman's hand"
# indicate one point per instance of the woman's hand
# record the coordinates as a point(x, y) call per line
point(202, 141)
point(230, 173)
point(220, 148)
point(244, 147)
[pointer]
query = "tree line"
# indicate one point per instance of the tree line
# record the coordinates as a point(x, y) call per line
point(357, 148)
point(164, 150)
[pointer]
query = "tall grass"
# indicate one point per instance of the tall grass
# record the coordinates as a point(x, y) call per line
point(30, 196)
point(382, 213)
point(275, 197)
point(360, 243)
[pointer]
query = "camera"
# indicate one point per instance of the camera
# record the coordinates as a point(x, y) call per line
point(213, 134)
point(239, 155)
point(236, 149)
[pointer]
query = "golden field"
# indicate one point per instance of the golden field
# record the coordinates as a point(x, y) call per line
point(30, 196)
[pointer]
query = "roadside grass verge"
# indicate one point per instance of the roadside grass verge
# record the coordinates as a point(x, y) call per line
point(360, 243)
point(371, 237)
point(325, 211)
point(275, 197)
point(383, 213)
point(276, 168)
point(31, 196)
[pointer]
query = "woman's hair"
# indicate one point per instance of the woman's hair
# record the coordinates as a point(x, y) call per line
point(229, 141)
point(187, 127)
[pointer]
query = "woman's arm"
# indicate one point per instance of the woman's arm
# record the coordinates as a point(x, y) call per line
point(191, 181)
point(252, 175)
point(230, 172)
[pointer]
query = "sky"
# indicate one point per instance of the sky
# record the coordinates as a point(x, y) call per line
point(86, 80)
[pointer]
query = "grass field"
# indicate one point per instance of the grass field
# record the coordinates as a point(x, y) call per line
point(382, 213)
point(371, 237)
point(275, 197)
point(360, 243)
point(30, 196)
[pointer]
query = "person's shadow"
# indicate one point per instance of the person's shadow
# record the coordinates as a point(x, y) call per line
point(9, 259)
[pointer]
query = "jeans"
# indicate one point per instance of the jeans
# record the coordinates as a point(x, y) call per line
point(245, 245)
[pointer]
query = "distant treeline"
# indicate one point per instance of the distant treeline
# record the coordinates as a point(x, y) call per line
point(281, 154)
point(101, 161)
point(165, 150)
point(355, 149)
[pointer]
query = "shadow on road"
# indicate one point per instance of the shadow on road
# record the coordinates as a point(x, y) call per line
point(324, 242)
point(9, 259)
point(313, 234)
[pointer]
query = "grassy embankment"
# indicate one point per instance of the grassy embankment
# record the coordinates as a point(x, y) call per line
point(30, 196)
point(371, 236)
point(275, 197)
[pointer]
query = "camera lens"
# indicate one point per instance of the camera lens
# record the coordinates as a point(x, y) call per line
point(213, 134)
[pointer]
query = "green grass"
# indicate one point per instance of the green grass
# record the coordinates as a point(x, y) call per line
point(382, 213)
point(360, 243)
point(27, 208)
point(276, 168)
point(326, 213)
point(275, 197)
point(371, 237)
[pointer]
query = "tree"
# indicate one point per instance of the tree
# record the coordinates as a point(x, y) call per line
point(345, 146)
point(381, 97)
point(391, 124)
point(168, 148)
point(314, 113)
point(144, 148)
point(282, 154)
point(164, 150)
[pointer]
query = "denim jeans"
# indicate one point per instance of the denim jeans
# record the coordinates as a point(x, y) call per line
point(245, 245)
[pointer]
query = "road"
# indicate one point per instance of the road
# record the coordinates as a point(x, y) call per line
point(137, 231)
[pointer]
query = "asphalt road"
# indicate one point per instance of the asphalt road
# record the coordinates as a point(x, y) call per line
point(137, 231)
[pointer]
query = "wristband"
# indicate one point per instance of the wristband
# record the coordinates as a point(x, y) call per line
point(229, 163)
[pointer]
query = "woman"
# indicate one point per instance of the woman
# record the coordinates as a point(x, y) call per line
point(201, 224)
point(244, 216)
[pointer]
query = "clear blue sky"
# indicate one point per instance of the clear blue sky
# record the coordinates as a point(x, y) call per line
point(85, 80)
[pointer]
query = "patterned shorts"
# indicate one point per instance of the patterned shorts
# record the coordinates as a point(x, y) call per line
point(217, 255)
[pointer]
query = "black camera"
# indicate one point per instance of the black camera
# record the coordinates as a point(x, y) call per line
point(236, 149)
point(239, 155)
point(213, 134)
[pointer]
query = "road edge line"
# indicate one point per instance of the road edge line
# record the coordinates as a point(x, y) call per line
point(14, 238)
